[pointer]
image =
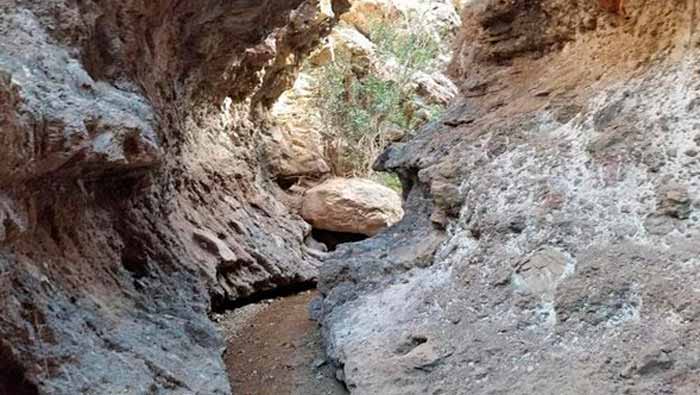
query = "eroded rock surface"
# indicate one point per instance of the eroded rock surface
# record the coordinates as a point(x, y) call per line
point(133, 196)
point(303, 146)
point(552, 216)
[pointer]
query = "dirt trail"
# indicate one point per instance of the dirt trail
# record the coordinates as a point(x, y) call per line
point(274, 349)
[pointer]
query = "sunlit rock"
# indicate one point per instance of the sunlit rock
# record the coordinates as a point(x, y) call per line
point(351, 205)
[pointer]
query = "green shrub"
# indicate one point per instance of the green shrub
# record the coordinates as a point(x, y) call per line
point(412, 45)
point(362, 109)
point(390, 180)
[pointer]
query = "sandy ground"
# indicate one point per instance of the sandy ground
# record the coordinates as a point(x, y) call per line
point(274, 348)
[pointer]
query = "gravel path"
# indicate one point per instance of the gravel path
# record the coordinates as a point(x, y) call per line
point(274, 348)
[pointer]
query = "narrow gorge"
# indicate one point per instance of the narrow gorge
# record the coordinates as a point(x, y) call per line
point(527, 222)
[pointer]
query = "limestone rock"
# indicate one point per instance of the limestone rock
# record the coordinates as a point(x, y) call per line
point(351, 205)
point(294, 153)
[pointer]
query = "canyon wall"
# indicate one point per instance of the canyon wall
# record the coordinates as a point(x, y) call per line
point(133, 196)
point(552, 228)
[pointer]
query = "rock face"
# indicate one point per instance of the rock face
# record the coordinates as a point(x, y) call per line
point(293, 146)
point(552, 223)
point(435, 14)
point(351, 205)
point(363, 13)
point(356, 46)
point(303, 146)
point(133, 196)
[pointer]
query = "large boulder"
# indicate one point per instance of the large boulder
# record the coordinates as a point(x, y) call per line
point(351, 205)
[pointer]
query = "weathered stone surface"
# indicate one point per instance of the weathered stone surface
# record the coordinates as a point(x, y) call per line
point(434, 14)
point(57, 119)
point(293, 145)
point(564, 258)
point(302, 145)
point(351, 205)
point(363, 13)
point(324, 55)
point(353, 45)
point(436, 88)
point(134, 197)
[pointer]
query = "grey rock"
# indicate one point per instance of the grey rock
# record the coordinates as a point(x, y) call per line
point(133, 199)
point(595, 276)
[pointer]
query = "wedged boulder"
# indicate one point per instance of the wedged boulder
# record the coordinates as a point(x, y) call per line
point(351, 205)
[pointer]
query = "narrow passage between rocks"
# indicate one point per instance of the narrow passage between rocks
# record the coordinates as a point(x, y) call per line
point(274, 348)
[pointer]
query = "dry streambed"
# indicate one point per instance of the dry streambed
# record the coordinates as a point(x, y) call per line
point(275, 348)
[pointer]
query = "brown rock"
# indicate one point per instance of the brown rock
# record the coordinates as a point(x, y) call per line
point(352, 205)
point(616, 6)
point(293, 147)
point(293, 152)
point(364, 13)
point(133, 195)
point(541, 272)
point(674, 201)
point(354, 45)
point(394, 133)
point(324, 55)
